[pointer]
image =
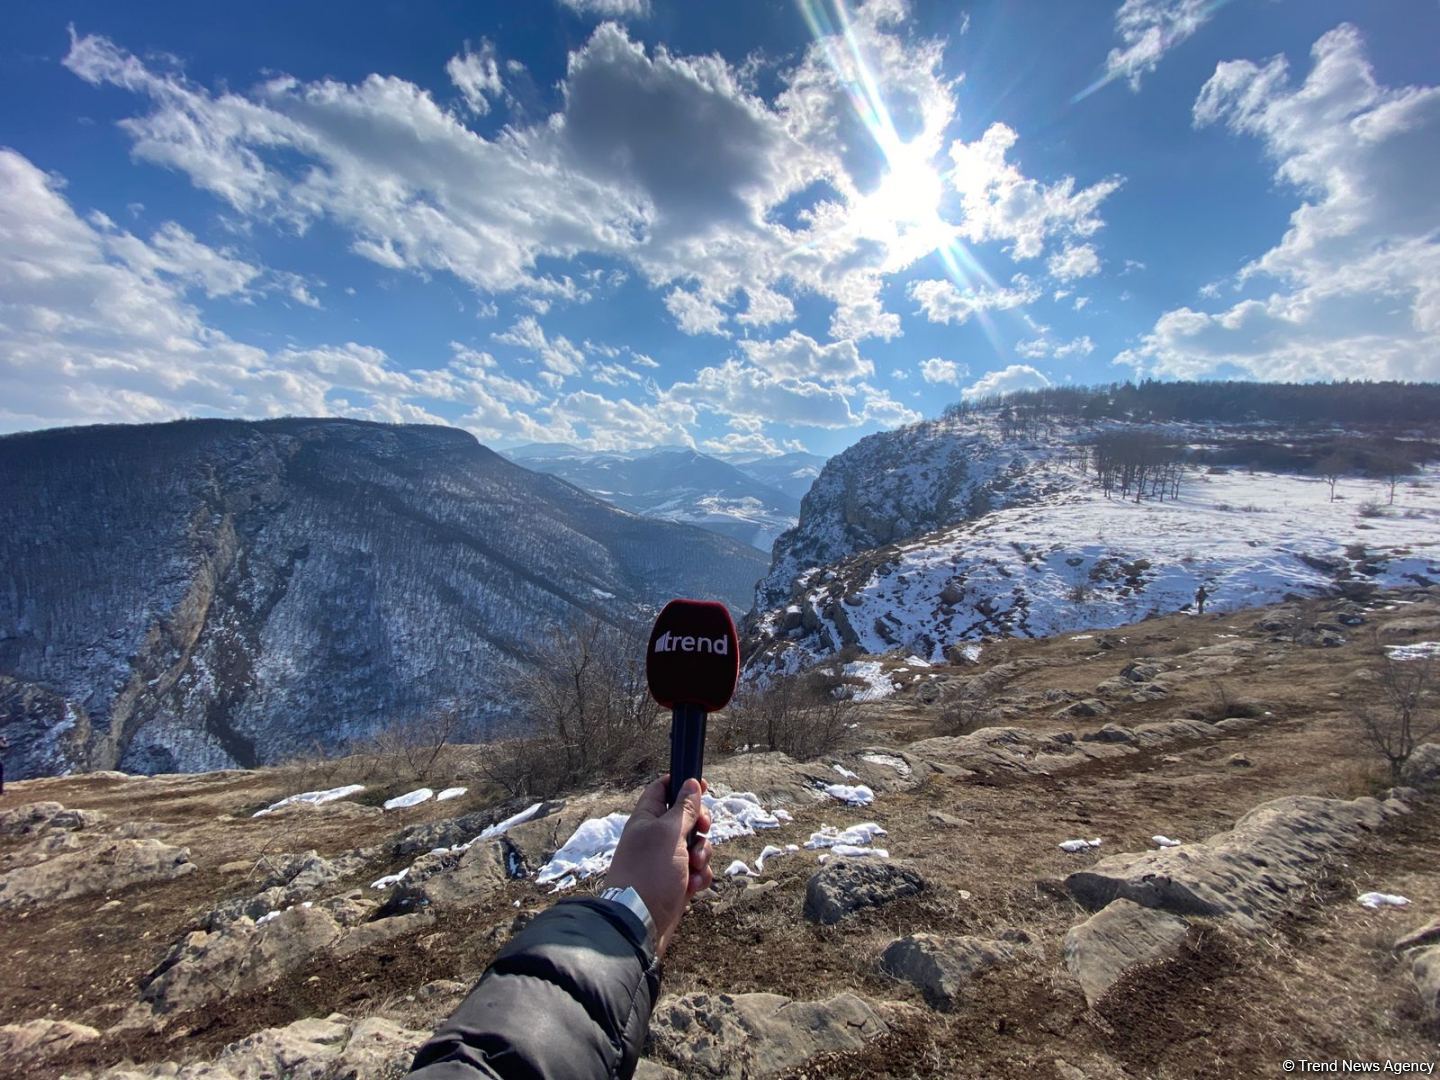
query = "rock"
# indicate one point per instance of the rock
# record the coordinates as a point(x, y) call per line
point(1429, 934)
point(1108, 642)
point(941, 967)
point(240, 958)
point(444, 988)
point(40, 1039)
point(370, 934)
point(108, 868)
point(1139, 671)
point(949, 821)
point(1083, 709)
point(845, 886)
point(757, 1035)
point(289, 879)
point(31, 818)
point(1110, 733)
point(308, 1049)
point(1115, 940)
point(1425, 967)
point(645, 1069)
point(1239, 761)
point(1232, 724)
point(1422, 770)
point(1251, 874)
point(453, 880)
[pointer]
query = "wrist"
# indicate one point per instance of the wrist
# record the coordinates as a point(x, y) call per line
point(627, 897)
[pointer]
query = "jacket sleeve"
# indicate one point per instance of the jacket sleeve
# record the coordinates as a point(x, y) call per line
point(569, 997)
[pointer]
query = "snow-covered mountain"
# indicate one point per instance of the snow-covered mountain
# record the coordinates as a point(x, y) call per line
point(207, 593)
point(951, 530)
point(792, 473)
point(676, 484)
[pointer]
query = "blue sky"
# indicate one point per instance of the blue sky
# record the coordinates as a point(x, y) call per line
point(748, 226)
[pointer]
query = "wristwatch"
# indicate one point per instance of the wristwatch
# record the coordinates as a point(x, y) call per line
point(629, 898)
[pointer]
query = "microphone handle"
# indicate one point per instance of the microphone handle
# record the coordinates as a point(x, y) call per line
point(687, 747)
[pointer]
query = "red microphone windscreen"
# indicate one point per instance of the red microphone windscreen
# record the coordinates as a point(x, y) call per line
point(694, 655)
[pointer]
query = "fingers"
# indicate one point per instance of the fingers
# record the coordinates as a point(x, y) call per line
point(688, 807)
point(700, 856)
point(652, 799)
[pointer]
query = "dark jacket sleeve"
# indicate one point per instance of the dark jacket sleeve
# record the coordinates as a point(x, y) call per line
point(569, 997)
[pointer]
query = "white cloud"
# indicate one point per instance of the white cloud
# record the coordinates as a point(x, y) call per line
point(735, 389)
point(695, 314)
point(800, 356)
point(1074, 261)
point(1014, 377)
point(943, 302)
point(1044, 346)
point(558, 354)
point(936, 370)
point(476, 74)
point(608, 9)
point(1003, 204)
point(1150, 29)
point(1355, 280)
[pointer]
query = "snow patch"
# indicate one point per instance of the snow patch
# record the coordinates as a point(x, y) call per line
point(1380, 899)
point(846, 773)
point(900, 765)
point(1079, 845)
point(587, 852)
point(314, 798)
point(858, 795)
point(877, 684)
point(738, 814)
point(1420, 650)
point(851, 851)
point(451, 793)
point(390, 879)
point(854, 835)
point(1163, 841)
point(410, 798)
point(502, 827)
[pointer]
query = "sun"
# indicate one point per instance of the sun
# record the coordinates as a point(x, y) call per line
point(905, 205)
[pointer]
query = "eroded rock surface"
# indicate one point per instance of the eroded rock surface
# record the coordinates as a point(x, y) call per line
point(844, 886)
point(941, 967)
point(103, 869)
point(1117, 939)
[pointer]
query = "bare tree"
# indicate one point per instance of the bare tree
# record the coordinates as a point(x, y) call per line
point(804, 715)
point(1330, 469)
point(1401, 714)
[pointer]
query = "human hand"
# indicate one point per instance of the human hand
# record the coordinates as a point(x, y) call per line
point(654, 859)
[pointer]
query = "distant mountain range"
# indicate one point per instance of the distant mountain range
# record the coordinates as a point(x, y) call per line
point(209, 593)
point(750, 498)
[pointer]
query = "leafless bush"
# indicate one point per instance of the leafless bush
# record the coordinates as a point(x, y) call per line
point(1399, 712)
point(409, 748)
point(801, 715)
point(964, 709)
point(1222, 705)
point(583, 713)
point(1370, 509)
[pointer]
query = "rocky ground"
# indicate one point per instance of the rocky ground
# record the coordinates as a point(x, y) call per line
point(155, 927)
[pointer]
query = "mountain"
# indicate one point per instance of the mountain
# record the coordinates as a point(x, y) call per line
point(673, 483)
point(208, 593)
point(984, 524)
point(792, 473)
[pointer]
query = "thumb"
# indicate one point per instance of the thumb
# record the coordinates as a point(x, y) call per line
point(688, 806)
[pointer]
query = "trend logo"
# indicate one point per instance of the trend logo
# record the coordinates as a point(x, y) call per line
point(668, 643)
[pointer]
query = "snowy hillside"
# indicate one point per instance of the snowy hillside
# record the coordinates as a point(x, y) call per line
point(792, 473)
point(1073, 559)
point(677, 484)
point(209, 593)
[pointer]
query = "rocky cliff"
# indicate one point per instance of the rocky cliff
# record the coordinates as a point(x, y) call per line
point(204, 594)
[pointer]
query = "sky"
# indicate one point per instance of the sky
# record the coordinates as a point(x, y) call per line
point(748, 226)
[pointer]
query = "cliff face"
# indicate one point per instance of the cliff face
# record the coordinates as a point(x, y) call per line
point(209, 593)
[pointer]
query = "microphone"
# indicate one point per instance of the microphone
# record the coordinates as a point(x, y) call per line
point(692, 665)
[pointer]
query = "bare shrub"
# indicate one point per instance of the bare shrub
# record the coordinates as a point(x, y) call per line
point(1399, 711)
point(1221, 705)
point(583, 713)
point(1370, 509)
point(408, 748)
point(964, 709)
point(804, 715)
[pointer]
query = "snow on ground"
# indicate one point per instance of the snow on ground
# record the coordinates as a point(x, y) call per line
point(1075, 560)
point(271, 916)
point(587, 852)
point(1420, 650)
point(1163, 841)
point(1073, 846)
point(314, 798)
point(853, 835)
point(1380, 899)
point(410, 798)
point(846, 773)
point(852, 851)
point(390, 879)
point(900, 765)
point(877, 684)
point(502, 827)
point(856, 795)
point(451, 793)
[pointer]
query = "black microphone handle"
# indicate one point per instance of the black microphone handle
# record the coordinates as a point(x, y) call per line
point(687, 747)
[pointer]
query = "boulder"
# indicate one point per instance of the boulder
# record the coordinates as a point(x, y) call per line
point(1251, 874)
point(1110, 733)
point(103, 869)
point(1083, 709)
point(941, 967)
point(845, 886)
point(241, 958)
point(39, 1039)
point(1117, 939)
point(457, 879)
point(1422, 770)
point(757, 1035)
point(367, 935)
point(1140, 671)
point(1425, 967)
point(308, 1049)
point(32, 818)
point(288, 880)
point(1429, 934)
